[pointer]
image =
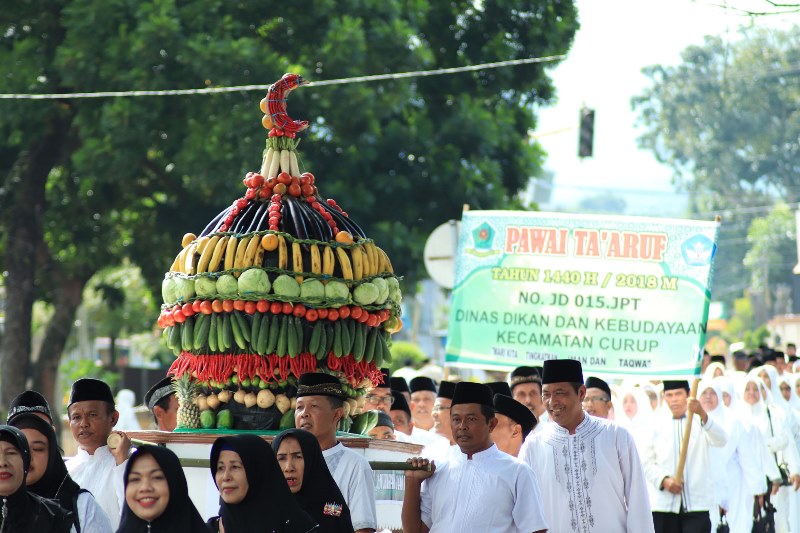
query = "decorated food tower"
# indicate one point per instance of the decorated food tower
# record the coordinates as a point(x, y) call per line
point(280, 283)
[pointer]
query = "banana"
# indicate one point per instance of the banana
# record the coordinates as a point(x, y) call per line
point(205, 257)
point(177, 265)
point(241, 249)
point(366, 262)
point(328, 262)
point(219, 250)
point(259, 258)
point(250, 253)
point(230, 252)
point(357, 262)
point(369, 248)
point(387, 265)
point(316, 259)
point(283, 260)
point(201, 243)
point(297, 260)
point(344, 262)
point(188, 259)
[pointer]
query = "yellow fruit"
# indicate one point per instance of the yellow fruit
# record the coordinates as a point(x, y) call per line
point(219, 251)
point(269, 242)
point(316, 260)
point(188, 238)
point(358, 265)
point(205, 257)
point(263, 105)
point(297, 260)
point(266, 121)
point(189, 259)
point(344, 237)
point(230, 252)
point(283, 259)
point(344, 262)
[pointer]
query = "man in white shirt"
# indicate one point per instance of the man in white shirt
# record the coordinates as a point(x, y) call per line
point(483, 489)
point(423, 394)
point(319, 410)
point(162, 401)
point(588, 468)
point(441, 411)
point(514, 424)
point(380, 397)
point(95, 467)
point(598, 398)
point(526, 388)
point(682, 506)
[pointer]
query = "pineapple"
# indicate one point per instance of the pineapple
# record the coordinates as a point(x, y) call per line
point(188, 412)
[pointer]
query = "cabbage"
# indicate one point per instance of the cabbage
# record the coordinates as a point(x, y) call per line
point(285, 285)
point(383, 290)
point(185, 288)
point(312, 288)
point(254, 281)
point(365, 294)
point(169, 290)
point(336, 290)
point(227, 286)
point(205, 287)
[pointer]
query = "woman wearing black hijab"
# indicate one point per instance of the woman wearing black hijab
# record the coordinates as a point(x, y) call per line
point(48, 476)
point(311, 482)
point(22, 511)
point(253, 492)
point(157, 496)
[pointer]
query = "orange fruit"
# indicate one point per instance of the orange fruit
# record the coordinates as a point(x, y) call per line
point(269, 242)
point(344, 237)
point(263, 105)
point(266, 121)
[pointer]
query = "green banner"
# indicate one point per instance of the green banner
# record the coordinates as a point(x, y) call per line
point(627, 296)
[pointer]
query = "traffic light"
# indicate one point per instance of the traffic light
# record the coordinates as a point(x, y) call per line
point(586, 139)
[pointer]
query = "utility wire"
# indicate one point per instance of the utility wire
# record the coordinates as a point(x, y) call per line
point(248, 88)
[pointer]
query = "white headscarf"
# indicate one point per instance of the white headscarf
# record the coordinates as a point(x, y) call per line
point(774, 386)
point(127, 416)
point(709, 373)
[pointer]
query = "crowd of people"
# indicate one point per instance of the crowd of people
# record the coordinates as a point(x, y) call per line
point(546, 450)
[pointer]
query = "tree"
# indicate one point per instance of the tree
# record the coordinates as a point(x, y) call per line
point(727, 120)
point(89, 183)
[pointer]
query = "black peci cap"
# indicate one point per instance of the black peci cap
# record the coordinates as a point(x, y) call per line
point(89, 389)
point(319, 384)
point(517, 412)
point(468, 392)
point(562, 371)
point(421, 383)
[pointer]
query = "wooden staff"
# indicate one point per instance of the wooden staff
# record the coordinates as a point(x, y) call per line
point(686, 433)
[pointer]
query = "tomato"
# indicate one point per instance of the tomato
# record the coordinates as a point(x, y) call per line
point(250, 194)
point(273, 221)
point(323, 313)
point(299, 310)
point(312, 315)
point(284, 178)
point(309, 200)
point(344, 311)
point(372, 321)
point(196, 306)
point(294, 190)
point(356, 312)
point(276, 197)
point(187, 309)
point(241, 203)
point(264, 193)
point(229, 220)
point(258, 180)
point(262, 306)
point(333, 315)
point(250, 307)
point(331, 202)
point(307, 190)
point(327, 216)
point(178, 316)
point(205, 307)
point(238, 305)
point(287, 308)
point(279, 189)
point(315, 205)
point(363, 317)
point(169, 320)
point(308, 176)
point(275, 308)
point(216, 306)
point(227, 305)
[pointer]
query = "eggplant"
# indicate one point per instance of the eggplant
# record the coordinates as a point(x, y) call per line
point(243, 218)
point(214, 224)
point(257, 217)
point(299, 221)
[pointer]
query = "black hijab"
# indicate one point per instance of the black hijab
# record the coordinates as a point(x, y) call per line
point(268, 505)
point(55, 484)
point(180, 516)
point(25, 511)
point(319, 495)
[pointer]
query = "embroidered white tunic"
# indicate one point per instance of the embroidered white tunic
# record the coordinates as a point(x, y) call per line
point(492, 492)
point(100, 475)
point(592, 481)
point(353, 475)
point(660, 459)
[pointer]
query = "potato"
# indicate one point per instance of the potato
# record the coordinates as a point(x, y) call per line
point(224, 396)
point(283, 403)
point(213, 401)
point(250, 399)
point(238, 397)
point(201, 402)
point(265, 399)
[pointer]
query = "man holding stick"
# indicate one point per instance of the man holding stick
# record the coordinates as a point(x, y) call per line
point(684, 492)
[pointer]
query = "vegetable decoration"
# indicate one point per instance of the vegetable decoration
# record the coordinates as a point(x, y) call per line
point(280, 283)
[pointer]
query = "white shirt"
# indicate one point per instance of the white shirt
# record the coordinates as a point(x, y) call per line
point(424, 437)
point(660, 459)
point(353, 475)
point(592, 481)
point(100, 475)
point(542, 421)
point(91, 517)
point(490, 493)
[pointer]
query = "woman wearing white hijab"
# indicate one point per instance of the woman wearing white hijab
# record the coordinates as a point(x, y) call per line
point(771, 422)
point(714, 370)
point(738, 477)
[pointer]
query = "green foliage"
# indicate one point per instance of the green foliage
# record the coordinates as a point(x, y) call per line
point(742, 326)
point(72, 371)
point(773, 248)
point(402, 352)
point(727, 120)
point(118, 303)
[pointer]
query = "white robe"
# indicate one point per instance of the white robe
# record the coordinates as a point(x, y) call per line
point(100, 475)
point(91, 516)
point(490, 493)
point(592, 481)
point(660, 460)
point(353, 475)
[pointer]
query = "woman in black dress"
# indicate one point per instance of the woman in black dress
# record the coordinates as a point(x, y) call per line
point(253, 492)
point(157, 496)
point(309, 479)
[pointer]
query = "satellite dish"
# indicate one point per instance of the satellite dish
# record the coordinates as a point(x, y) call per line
point(440, 253)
